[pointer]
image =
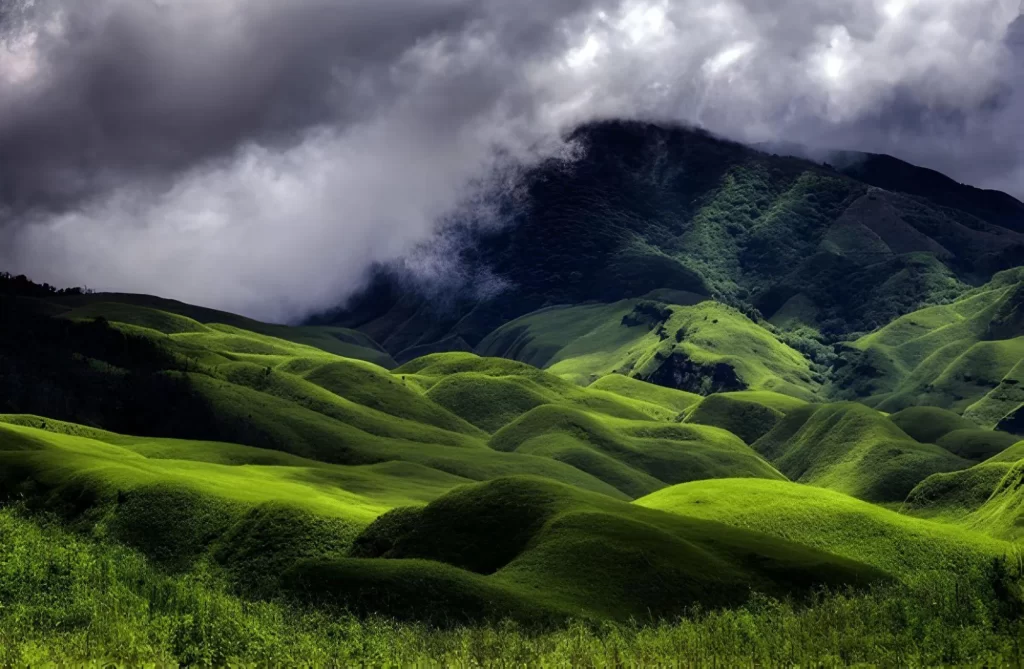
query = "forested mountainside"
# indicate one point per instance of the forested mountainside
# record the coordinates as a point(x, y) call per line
point(840, 251)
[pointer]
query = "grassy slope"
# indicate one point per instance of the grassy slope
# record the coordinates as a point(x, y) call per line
point(515, 544)
point(832, 522)
point(234, 475)
point(171, 316)
point(588, 342)
point(948, 356)
point(852, 449)
point(636, 457)
point(1003, 513)
point(70, 602)
point(748, 414)
point(669, 398)
point(492, 392)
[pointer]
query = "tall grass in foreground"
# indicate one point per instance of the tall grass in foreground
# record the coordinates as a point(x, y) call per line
point(68, 600)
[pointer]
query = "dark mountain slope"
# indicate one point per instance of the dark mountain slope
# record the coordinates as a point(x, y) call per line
point(651, 208)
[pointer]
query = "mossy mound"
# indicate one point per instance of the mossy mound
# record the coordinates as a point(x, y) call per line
point(1003, 513)
point(669, 398)
point(1011, 454)
point(976, 444)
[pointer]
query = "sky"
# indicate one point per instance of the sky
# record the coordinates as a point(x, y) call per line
point(259, 155)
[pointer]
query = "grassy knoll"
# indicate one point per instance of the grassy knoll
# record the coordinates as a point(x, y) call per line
point(701, 348)
point(1003, 513)
point(955, 496)
point(1011, 454)
point(637, 457)
point(950, 356)
point(635, 389)
point(747, 414)
point(832, 522)
point(492, 392)
point(852, 449)
point(516, 546)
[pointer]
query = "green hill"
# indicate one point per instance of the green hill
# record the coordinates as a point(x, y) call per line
point(701, 349)
point(955, 356)
point(852, 449)
point(633, 456)
point(517, 546)
point(669, 398)
point(955, 496)
point(749, 414)
point(829, 521)
point(173, 317)
point(1003, 513)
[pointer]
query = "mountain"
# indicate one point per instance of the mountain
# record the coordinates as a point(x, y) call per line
point(652, 208)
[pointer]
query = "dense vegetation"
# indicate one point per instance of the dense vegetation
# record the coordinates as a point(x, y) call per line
point(756, 411)
point(651, 208)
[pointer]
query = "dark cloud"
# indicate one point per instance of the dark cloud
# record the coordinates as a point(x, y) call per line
point(257, 155)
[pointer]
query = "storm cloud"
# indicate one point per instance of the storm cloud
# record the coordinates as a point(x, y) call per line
point(259, 155)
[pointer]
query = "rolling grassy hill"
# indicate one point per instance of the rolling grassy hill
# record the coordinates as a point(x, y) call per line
point(830, 521)
point(701, 349)
point(503, 547)
point(173, 317)
point(963, 356)
point(852, 449)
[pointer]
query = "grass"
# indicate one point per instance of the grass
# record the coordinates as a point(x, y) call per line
point(1011, 454)
point(173, 317)
point(954, 496)
point(1004, 399)
point(531, 545)
point(749, 415)
point(633, 456)
point(670, 345)
point(901, 546)
point(853, 449)
point(669, 398)
point(929, 424)
point(949, 356)
point(70, 601)
point(1003, 512)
